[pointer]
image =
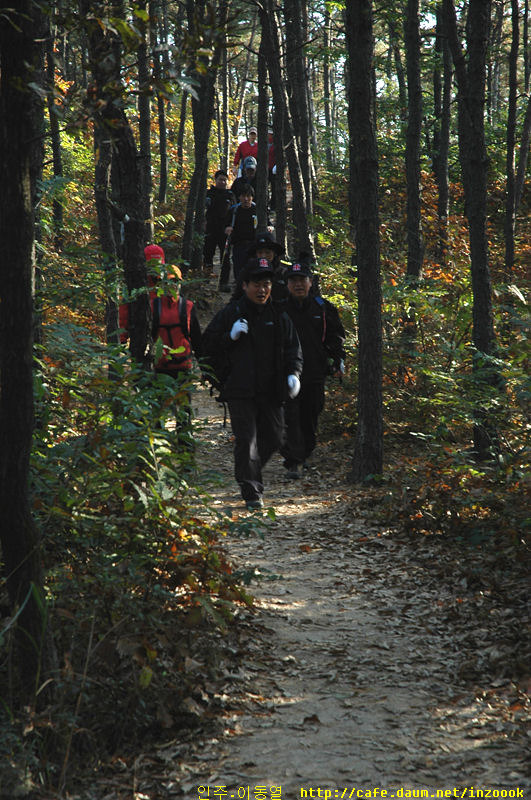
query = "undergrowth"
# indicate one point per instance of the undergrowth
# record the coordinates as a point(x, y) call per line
point(140, 594)
point(434, 381)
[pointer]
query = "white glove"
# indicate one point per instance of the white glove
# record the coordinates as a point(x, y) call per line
point(294, 386)
point(239, 327)
point(341, 367)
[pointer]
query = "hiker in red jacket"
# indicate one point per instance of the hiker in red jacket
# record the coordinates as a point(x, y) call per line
point(175, 320)
point(245, 149)
point(176, 330)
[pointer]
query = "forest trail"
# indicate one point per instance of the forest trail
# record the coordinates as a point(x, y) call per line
point(353, 668)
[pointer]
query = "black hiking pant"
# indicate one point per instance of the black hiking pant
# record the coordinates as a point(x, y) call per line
point(239, 259)
point(258, 428)
point(302, 415)
point(215, 238)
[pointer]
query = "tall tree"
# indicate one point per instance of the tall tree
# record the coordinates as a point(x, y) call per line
point(302, 232)
point(523, 154)
point(163, 132)
point(109, 115)
point(495, 59)
point(242, 87)
point(55, 135)
point(204, 73)
point(415, 247)
point(442, 96)
point(159, 49)
point(470, 72)
point(510, 190)
point(295, 38)
point(525, 48)
point(144, 116)
point(21, 138)
point(327, 86)
point(262, 155)
point(180, 135)
point(394, 42)
point(368, 448)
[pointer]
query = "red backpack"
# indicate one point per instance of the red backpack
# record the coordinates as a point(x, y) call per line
point(171, 324)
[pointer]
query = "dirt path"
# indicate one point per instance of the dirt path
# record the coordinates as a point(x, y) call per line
point(353, 669)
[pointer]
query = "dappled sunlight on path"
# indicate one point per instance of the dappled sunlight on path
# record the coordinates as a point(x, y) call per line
point(352, 670)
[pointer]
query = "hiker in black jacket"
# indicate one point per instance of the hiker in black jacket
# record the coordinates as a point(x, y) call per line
point(266, 246)
point(218, 201)
point(321, 335)
point(254, 351)
point(241, 221)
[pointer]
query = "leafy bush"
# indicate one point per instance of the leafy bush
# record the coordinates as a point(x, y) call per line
point(134, 565)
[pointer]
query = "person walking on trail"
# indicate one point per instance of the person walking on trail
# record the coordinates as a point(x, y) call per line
point(254, 352)
point(248, 176)
point(241, 222)
point(218, 201)
point(175, 326)
point(266, 246)
point(322, 337)
point(249, 147)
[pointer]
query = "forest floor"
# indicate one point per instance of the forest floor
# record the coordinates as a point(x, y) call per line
point(372, 658)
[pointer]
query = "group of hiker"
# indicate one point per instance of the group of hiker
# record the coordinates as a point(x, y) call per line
point(268, 351)
point(230, 215)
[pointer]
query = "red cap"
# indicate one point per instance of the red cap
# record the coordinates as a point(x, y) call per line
point(154, 251)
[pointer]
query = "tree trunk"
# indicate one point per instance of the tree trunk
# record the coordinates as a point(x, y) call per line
point(225, 145)
point(399, 67)
point(510, 191)
point(21, 131)
point(302, 233)
point(55, 139)
point(163, 133)
point(298, 90)
point(368, 449)
point(525, 49)
point(415, 251)
point(441, 138)
point(494, 66)
point(523, 154)
point(102, 193)
point(202, 112)
point(180, 136)
point(280, 178)
point(144, 125)
point(243, 84)
point(105, 61)
point(470, 74)
point(262, 155)
point(326, 87)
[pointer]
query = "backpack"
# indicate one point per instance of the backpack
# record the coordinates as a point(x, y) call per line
point(171, 324)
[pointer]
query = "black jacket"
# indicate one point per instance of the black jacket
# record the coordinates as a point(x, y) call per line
point(321, 335)
point(259, 362)
point(242, 181)
point(243, 222)
point(218, 202)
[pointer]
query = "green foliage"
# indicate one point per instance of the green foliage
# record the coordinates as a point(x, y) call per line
point(437, 387)
point(134, 564)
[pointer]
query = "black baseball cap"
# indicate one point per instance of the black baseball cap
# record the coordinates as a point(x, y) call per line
point(299, 268)
point(257, 268)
